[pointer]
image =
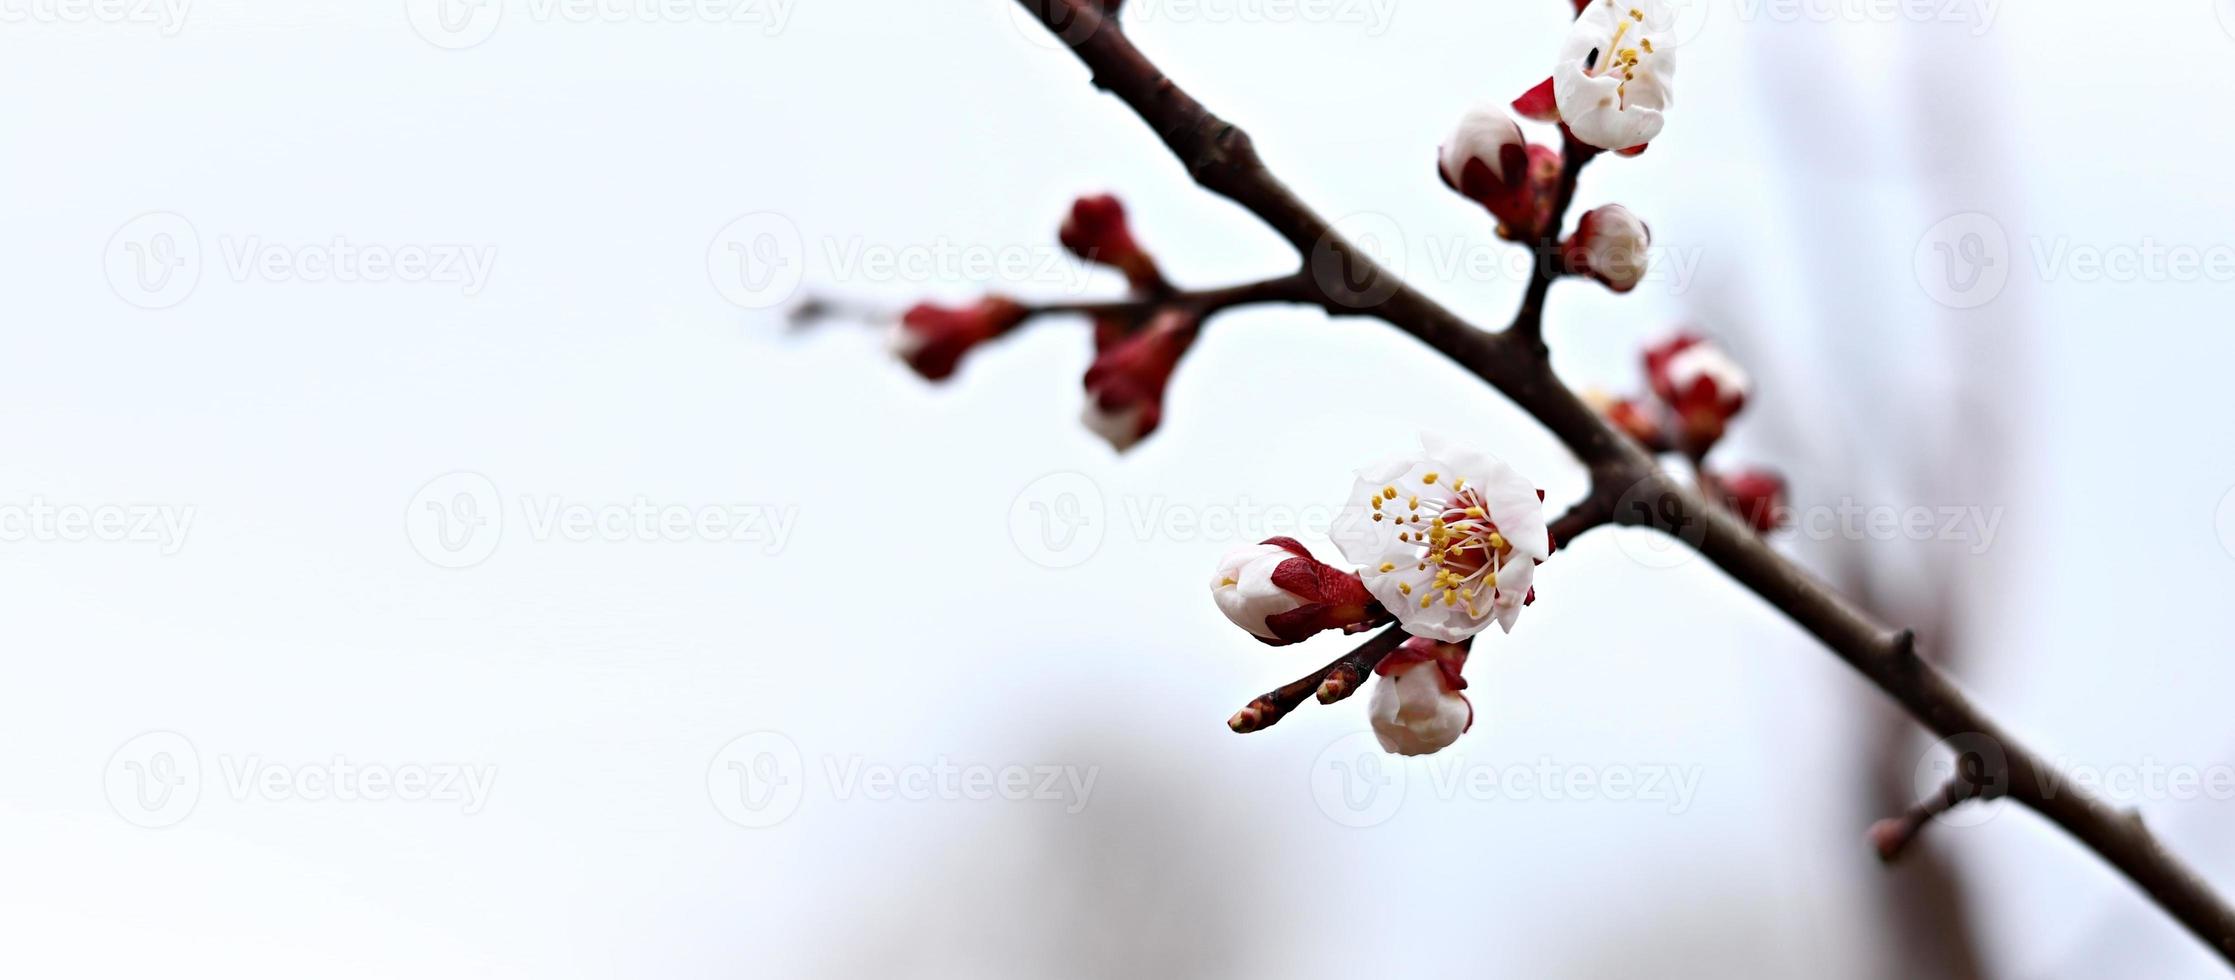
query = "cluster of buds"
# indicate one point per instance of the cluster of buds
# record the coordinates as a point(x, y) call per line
point(1445, 542)
point(1698, 388)
point(1135, 354)
point(1607, 91)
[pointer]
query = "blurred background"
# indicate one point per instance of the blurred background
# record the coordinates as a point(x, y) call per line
point(426, 551)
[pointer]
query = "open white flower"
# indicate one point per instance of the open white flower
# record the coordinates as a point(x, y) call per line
point(1447, 540)
point(1417, 707)
point(1613, 77)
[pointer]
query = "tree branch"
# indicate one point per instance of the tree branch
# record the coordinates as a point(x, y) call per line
point(1222, 158)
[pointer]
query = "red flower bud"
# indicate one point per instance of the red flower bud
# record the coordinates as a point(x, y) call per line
point(1488, 162)
point(1282, 595)
point(1096, 231)
point(1634, 417)
point(1418, 707)
point(932, 339)
point(1700, 384)
point(1756, 496)
point(1609, 245)
point(1125, 385)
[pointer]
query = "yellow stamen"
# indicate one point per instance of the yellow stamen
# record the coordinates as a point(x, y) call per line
point(1388, 566)
point(1229, 582)
point(1429, 479)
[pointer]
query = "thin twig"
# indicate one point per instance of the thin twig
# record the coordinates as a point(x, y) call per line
point(1269, 708)
point(1222, 158)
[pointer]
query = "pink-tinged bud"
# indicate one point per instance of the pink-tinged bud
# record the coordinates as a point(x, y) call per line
point(1417, 707)
point(1634, 417)
point(1889, 837)
point(1281, 594)
point(1488, 162)
point(1125, 385)
point(1609, 245)
point(1700, 384)
point(1756, 496)
point(933, 339)
point(1538, 103)
point(1096, 230)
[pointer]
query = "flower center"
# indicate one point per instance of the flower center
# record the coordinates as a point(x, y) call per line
point(1456, 536)
point(1618, 59)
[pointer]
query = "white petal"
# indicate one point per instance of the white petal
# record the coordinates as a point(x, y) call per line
point(1121, 428)
point(1482, 135)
